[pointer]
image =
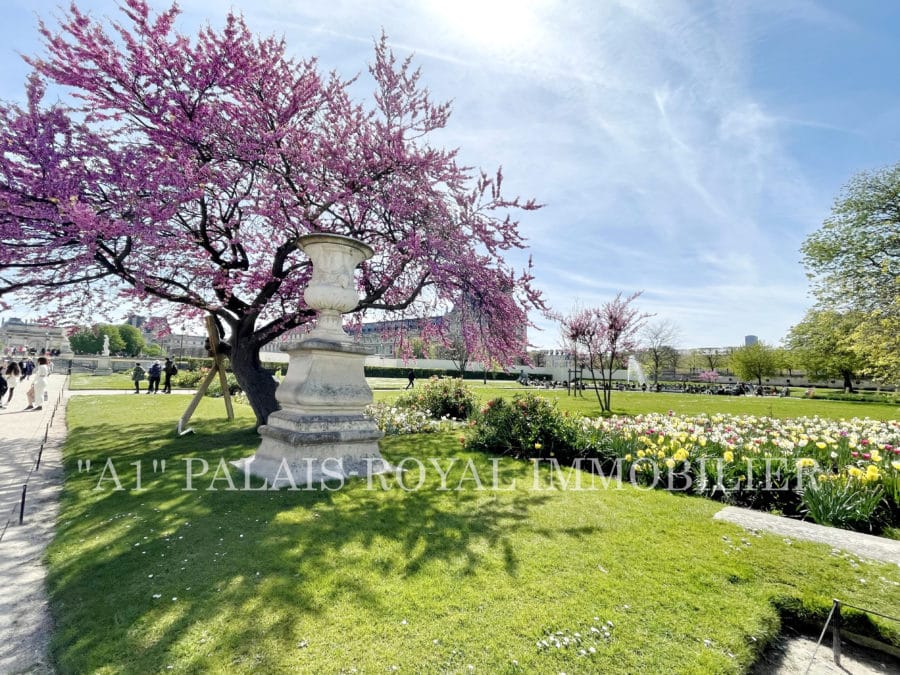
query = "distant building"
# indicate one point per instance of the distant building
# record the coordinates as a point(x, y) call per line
point(20, 338)
point(750, 340)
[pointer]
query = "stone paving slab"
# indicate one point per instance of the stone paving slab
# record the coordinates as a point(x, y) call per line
point(862, 545)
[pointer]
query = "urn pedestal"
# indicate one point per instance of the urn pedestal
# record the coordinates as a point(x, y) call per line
point(321, 432)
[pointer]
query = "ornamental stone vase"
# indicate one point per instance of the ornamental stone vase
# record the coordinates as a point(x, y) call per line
point(322, 432)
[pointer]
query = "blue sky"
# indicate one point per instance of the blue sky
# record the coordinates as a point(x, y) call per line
point(682, 148)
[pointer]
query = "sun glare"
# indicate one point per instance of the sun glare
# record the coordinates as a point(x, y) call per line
point(488, 24)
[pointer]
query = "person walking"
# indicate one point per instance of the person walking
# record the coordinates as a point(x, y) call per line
point(153, 376)
point(3, 387)
point(411, 376)
point(169, 369)
point(137, 374)
point(39, 387)
point(13, 375)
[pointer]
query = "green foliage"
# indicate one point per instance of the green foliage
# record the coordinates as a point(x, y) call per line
point(854, 258)
point(854, 262)
point(116, 343)
point(85, 341)
point(841, 502)
point(442, 397)
point(215, 387)
point(527, 426)
point(189, 379)
point(153, 350)
point(823, 345)
point(134, 341)
point(754, 362)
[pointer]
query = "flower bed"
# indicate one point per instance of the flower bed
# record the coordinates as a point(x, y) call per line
point(763, 462)
point(843, 473)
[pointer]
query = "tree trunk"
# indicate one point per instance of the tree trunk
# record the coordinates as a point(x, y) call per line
point(848, 381)
point(256, 382)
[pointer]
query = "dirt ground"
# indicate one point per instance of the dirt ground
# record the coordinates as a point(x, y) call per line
point(792, 654)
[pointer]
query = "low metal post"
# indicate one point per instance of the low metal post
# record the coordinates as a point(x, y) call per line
point(22, 505)
point(836, 633)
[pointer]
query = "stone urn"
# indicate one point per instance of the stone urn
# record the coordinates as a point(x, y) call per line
point(322, 432)
point(332, 290)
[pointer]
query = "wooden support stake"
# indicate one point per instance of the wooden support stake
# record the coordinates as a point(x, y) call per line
point(217, 369)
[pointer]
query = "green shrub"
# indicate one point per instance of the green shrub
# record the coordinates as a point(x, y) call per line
point(841, 502)
point(528, 426)
point(444, 397)
point(188, 379)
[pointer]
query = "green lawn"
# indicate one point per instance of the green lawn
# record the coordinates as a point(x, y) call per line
point(624, 403)
point(360, 580)
point(635, 403)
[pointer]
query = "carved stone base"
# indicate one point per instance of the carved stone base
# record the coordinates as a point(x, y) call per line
point(321, 433)
point(300, 450)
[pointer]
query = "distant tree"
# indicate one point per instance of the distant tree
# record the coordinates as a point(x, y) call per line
point(659, 352)
point(116, 343)
point(787, 360)
point(601, 337)
point(823, 345)
point(153, 350)
point(854, 263)
point(754, 362)
point(85, 341)
point(132, 338)
point(708, 376)
point(713, 358)
point(877, 342)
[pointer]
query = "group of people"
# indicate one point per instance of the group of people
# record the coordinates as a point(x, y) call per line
point(14, 373)
point(154, 374)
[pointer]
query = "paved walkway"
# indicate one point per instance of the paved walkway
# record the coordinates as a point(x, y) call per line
point(863, 545)
point(25, 624)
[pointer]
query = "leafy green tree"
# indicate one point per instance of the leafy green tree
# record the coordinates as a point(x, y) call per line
point(153, 350)
point(85, 341)
point(787, 360)
point(824, 345)
point(854, 263)
point(116, 343)
point(754, 362)
point(133, 339)
point(877, 341)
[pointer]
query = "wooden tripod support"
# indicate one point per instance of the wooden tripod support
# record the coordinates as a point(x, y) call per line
point(218, 368)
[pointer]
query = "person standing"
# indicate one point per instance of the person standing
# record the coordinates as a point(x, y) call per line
point(153, 376)
point(13, 375)
point(169, 369)
point(137, 374)
point(39, 387)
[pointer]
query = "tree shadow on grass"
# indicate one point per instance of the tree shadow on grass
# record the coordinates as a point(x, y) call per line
point(258, 562)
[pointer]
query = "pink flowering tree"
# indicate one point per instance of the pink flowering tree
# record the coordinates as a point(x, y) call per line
point(601, 337)
point(183, 170)
point(708, 376)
